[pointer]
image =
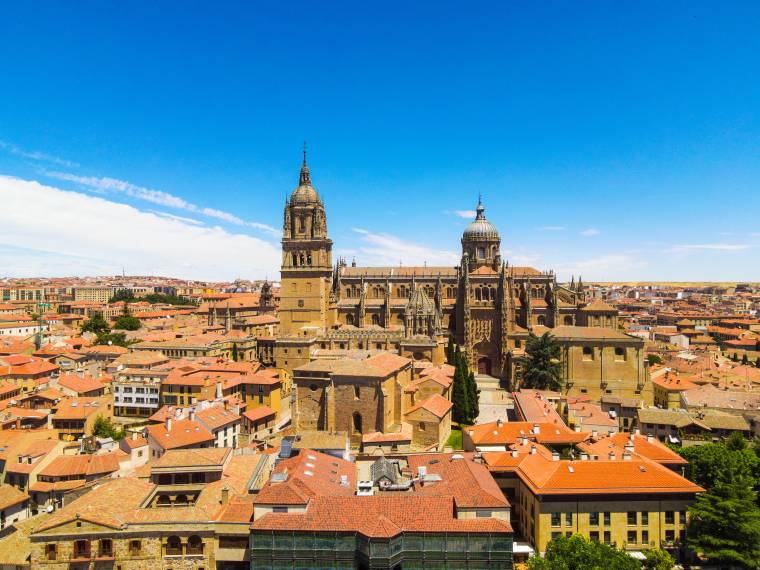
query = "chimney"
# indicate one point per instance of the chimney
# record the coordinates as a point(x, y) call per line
point(225, 494)
point(533, 449)
point(499, 423)
point(577, 428)
point(219, 390)
point(611, 456)
point(555, 456)
point(626, 456)
point(524, 440)
point(637, 431)
point(536, 428)
point(629, 447)
point(168, 424)
point(594, 434)
point(191, 414)
point(134, 435)
point(514, 453)
point(584, 456)
point(650, 438)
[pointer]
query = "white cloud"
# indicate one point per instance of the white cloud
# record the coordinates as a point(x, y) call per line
point(178, 218)
point(49, 231)
point(158, 197)
point(386, 249)
point(608, 267)
point(552, 228)
point(590, 232)
point(707, 247)
point(36, 155)
point(467, 214)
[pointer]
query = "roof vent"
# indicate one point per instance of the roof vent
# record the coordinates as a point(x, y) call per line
point(344, 480)
point(642, 469)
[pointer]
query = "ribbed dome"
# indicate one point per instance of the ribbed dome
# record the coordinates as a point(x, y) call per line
point(480, 228)
point(305, 193)
point(420, 303)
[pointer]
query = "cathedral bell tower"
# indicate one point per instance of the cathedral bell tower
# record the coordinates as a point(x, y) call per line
point(481, 241)
point(306, 271)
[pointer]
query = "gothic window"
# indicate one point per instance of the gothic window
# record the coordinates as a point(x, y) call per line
point(348, 291)
point(449, 292)
point(486, 293)
point(301, 259)
point(357, 392)
point(478, 294)
point(541, 320)
point(194, 545)
point(301, 224)
point(295, 260)
point(481, 253)
point(375, 319)
point(402, 291)
point(376, 292)
point(357, 422)
point(308, 258)
point(349, 319)
point(173, 546)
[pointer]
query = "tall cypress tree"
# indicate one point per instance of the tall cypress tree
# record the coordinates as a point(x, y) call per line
point(451, 352)
point(474, 396)
point(460, 395)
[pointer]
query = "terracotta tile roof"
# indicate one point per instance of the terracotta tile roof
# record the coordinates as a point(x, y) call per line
point(78, 384)
point(470, 483)
point(22, 366)
point(648, 447)
point(405, 434)
point(183, 433)
point(259, 413)
point(435, 404)
point(378, 366)
point(505, 433)
point(309, 474)
point(380, 516)
point(78, 408)
point(447, 370)
point(567, 332)
point(84, 465)
point(673, 382)
point(134, 442)
point(10, 496)
point(627, 476)
point(599, 306)
point(216, 417)
point(209, 457)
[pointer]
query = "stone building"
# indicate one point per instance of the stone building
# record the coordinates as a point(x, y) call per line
point(486, 304)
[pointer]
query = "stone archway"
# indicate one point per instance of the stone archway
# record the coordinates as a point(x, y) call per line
point(484, 365)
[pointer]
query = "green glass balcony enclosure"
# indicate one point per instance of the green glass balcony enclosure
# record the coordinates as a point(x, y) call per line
point(272, 550)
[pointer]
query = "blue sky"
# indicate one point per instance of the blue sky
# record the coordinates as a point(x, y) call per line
point(616, 141)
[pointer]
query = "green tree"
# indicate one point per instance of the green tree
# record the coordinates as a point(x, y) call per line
point(735, 357)
point(125, 295)
point(713, 464)
point(96, 324)
point(473, 395)
point(542, 369)
point(658, 559)
point(234, 352)
point(745, 359)
point(724, 525)
point(460, 395)
point(653, 359)
point(579, 553)
point(127, 323)
point(113, 338)
point(104, 427)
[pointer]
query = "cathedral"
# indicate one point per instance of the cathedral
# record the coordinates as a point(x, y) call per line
point(487, 305)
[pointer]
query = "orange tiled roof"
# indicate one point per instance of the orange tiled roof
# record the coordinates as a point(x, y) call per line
point(435, 404)
point(183, 433)
point(79, 384)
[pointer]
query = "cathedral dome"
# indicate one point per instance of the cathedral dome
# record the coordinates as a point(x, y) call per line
point(480, 228)
point(305, 193)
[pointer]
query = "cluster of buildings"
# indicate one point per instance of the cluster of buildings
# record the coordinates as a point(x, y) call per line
point(308, 423)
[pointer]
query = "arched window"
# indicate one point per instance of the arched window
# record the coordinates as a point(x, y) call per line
point(402, 291)
point(357, 422)
point(194, 545)
point(295, 260)
point(375, 319)
point(348, 291)
point(541, 320)
point(478, 294)
point(568, 320)
point(173, 546)
point(301, 224)
point(449, 292)
point(308, 258)
point(163, 501)
point(349, 319)
point(481, 253)
point(181, 500)
point(486, 293)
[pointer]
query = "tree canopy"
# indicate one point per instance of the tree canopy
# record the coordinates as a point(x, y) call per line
point(579, 553)
point(465, 393)
point(96, 324)
point(153, 298)
point(104, 427)
point(724, 522)
point(542, 369)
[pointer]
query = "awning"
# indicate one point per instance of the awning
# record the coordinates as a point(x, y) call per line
point(522, 548)
point(637, 555)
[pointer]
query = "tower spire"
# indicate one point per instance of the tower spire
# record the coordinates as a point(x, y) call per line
point(305, 178)
point(480, 210)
